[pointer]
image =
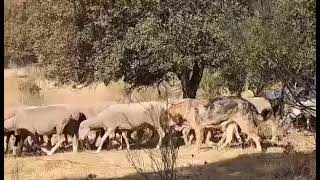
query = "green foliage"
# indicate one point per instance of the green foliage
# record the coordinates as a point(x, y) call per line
point(52, 24)
point(275, 51)
point(277, 47)
point(17, 38)
point(213, 84)
point(147, 42)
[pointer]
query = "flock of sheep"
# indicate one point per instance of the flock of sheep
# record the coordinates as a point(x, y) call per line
point(29, 125)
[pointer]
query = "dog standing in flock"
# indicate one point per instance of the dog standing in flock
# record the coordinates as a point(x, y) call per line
point(229, 114)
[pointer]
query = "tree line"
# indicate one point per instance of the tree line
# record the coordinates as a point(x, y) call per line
point(249, 44)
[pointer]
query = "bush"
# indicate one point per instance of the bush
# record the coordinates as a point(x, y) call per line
point(213, 85)
point(30, 92)
point(163, 161)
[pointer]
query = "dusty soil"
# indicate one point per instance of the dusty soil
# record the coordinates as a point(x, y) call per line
point(232, 163)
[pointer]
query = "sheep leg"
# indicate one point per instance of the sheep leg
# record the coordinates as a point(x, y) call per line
point(75, 141)
point(185, 136)
point(96, 138)
point(140, 134)
point(35, 143)
point(223, 138)
point(229, 137)
point(274, 131)
point(21, 143)
point(16, 142)
point(46, 141)
point(49, 143)
point(233, 130)
point(126, 139)
point(208, 136)
point(191, 139)
point(106, 143)
point(41, 139)
point(98, 141)
point(199, 138)
point(56, 146)
point(161, 136)
point(252, 133)
point(309, 128)
point(236, 132)
point(208, 141)
point(29, 144)
point(8, 135)
point(108, 132)
point(6, 145)
point(185, 133)
point(32, 143)
point(66, 141)
point(121, 141)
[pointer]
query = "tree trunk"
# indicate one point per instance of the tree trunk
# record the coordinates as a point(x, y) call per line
point(190, 81)
point(246, 86)
point(246, 83)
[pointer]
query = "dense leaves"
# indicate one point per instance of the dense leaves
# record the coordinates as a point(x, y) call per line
point(251, 44)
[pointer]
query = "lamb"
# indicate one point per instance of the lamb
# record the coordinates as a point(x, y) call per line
point(43, 120)
point(126, 117)
point(263, 106)
point(228, 128)
point(202, 113)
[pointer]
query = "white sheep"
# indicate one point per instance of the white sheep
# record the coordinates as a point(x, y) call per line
point(91, 111)
point(263, 106)
point(9, 113)
point(125, 117)
point(298, 111)
point(43, 120)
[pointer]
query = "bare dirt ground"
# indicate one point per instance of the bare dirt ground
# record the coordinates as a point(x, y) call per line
point(232, 163)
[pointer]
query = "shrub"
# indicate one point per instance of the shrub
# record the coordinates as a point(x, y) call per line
point(30, 92)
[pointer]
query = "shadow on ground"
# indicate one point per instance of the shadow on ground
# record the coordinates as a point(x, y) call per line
point(252, 166)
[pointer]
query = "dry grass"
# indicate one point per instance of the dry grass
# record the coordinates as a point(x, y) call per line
point(51, 95)
point(68, 95)
point(297, 166)
point(232, 163)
